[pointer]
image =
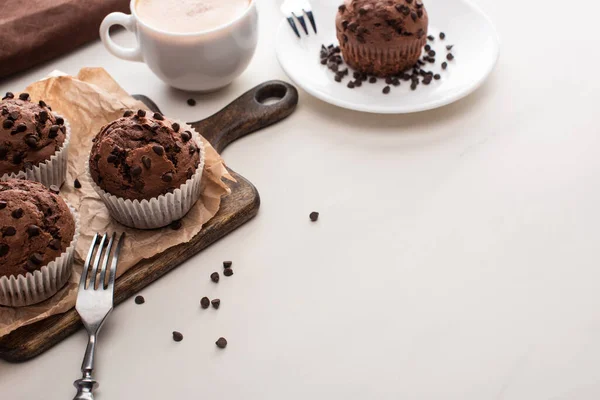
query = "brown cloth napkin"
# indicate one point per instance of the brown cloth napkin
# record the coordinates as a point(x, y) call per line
point(34, 31)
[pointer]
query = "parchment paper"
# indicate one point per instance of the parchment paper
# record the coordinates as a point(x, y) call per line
point(89, 101)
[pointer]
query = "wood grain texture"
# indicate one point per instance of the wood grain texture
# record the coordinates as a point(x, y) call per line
point(243, 116)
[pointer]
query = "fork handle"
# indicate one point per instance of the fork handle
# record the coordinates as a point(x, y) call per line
point(86, 384)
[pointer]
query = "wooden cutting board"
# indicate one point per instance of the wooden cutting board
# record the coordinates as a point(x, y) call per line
point(245, 115)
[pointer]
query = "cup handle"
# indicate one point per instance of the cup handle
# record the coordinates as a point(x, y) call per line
point(129, 23)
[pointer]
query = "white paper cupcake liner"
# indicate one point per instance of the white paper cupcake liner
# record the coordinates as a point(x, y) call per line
point(32, 288)
point(52, 171)
point(159, 211)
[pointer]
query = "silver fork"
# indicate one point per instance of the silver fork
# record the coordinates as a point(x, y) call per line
point(297, 8)
point(94, 304)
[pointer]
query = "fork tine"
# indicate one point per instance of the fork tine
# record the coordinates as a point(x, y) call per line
point(293, 25)
point(92, 284)
point(86, 265)
point(105, 262)
point(300, 18)
point(311, 18)
point(115, 261)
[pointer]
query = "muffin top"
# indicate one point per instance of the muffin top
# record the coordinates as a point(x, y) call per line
point(36, 226)
point(382, 22)
point(143, 155)
point(29, 133)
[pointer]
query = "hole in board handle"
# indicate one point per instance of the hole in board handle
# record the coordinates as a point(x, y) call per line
point(270, 95)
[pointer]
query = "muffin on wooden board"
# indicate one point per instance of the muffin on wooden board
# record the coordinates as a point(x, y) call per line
point(33, 141)
point(382, 38)
point(37, 237)
point(147, 169)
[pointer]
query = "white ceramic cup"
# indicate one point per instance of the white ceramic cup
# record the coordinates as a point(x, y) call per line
point(201, 61)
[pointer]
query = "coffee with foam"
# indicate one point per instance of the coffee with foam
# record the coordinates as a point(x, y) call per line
point(189, 16)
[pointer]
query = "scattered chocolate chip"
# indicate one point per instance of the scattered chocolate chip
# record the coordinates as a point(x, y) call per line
point(17, 213)
point(158, 149)
point(427, 47)
point(191, 102)
point(449, 47)
point(146, 161)
point(442, 35)
point(221, 343)
point(444, 65)
point(413, 85)
point(357, 83)
point(216, 303)
point(168, 177)
point(314, 216)
point(396, 82)
point(227, 264)
point(54, 189)
point(205, 302)
point(9, 231)
point(324, 61)
point(36, 258)
point(227, 272)
point(112, 158)
point(175, 127)
point(33, 230)
point(3, 249)
point(386, 90)
point(77, 184)
point(54, 244)
point(450, 57)
point(431, 38)
point(127, 114)
point(141, 113)
point(175, 225)
point(351, 85)
point(24, 96)
point(3, 205)
point(214, 277)
point(31, 141)
point(437, 77)
point(136, 171)
point(177, 336)
point(338, 78)
point(431, 53)
point(372, 80)
point(7, 124)
point(139, 300)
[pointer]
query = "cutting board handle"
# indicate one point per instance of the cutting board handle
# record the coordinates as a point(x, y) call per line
point(258, 108)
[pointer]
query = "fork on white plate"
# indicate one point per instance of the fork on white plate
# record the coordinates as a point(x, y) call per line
point(297, 9)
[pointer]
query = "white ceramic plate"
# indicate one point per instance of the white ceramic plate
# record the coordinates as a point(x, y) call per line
point(476, 49)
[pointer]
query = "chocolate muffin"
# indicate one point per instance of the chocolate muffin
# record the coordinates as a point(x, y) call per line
point(29, 133)
point(142, 156)
point(36, 227)
point(382, 38)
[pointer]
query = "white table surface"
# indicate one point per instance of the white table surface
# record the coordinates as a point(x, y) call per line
point(456, 256)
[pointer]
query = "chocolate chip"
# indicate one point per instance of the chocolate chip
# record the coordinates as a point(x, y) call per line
point(54, 189)
point(314, 216)
point(14, 115)
point(9, 231)
point(427, 47)
point(450, 57)
point(43, 116)
point(431, 38)
point(136, 171)
point(22, 127)
point(342, 8)
point(24, 96)
point(221, 343)
point(158, 116)
point(214, 277)
point(358, 83)
point(139, 300)
point(419, 3)
point(352, 26)
point(54, 244)
point(413, 16)
point(112, 158)
point(324, 61)
point(216, 303)
point(17, 213)
point(54, 128)
point(175, 127)
point(9, 95)
point(345, 25)
point(192, 150)
point(31, 141)
point(373, 80)
point(3, 249)
point(127, 114)
point(42, 103)
point(7, 124)
point(33, 230)
point(146, 161)
point(396, 82)
point(227, 272)
point(442, 35)
point(431, 53)
point(191, 102)
point(175, 225)
point(3, 205)
point(60, 121)
point(77, 184)
point(420, 13)
point(190, 173)
point(437, 77)
point(362, 11)
point(177, 336)
point(351, 85)
point(204, 302)
point(386, 90)
point(449, 47)
point(158, 149)
point(36, 258)
point(141, 113)
point(168, 177)
point(338, 78)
